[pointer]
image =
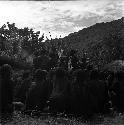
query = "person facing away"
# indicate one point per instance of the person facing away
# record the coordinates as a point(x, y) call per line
point(97, 90)
point(6, 89)
point(60, 92)
point(38, 92)
point(118, 91)
point(80, 93)
point(23, 89)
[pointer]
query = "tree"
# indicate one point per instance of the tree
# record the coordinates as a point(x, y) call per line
point(114, 45)
point(106, 50)
point(14, 40)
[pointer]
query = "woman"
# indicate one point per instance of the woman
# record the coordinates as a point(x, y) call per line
point(7, 86)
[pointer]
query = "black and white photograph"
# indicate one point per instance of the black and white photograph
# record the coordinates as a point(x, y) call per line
point(61, 62)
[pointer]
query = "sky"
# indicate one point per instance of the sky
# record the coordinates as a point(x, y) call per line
point(59, 17)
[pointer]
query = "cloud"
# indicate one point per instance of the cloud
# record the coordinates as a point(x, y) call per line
point(77, 28)
point(95, 12)
point(60, 17)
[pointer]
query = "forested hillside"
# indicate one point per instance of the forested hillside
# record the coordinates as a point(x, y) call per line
point(103, 42)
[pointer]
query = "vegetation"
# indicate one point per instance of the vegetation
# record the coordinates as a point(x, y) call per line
point(102, 43)
point(20, 119)
point(14, 41)
point(98, 44)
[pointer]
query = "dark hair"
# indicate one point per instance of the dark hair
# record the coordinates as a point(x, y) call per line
point(120, 76)
point(26, 74)
point(40, 74)
point(6, 71)
point(94, 74)
point(60, 73)
point(51, 73)
point(81, 75)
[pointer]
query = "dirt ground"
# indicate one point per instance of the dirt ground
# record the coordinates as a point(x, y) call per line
point(45, 119)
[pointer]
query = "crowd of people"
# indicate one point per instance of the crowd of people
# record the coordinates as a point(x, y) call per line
point(76, 90)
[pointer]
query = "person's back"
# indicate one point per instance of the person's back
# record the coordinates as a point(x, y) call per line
point(6, 89)
point(80, 93)
point(118, 90)
point(60, 92)
point(7, 95)
point(38, 92)
point(97, 91)
point(25, 84)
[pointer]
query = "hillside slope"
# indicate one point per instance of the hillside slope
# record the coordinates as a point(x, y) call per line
point(103, 42)
point(94, 34)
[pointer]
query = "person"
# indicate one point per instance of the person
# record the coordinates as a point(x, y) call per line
point(59, 98)
point(6, 89)
point(97, 91)
point(38, 92)
point(80, 93)
point(25, 83)
point(118, 91)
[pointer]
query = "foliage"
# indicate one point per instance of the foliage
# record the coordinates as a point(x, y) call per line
point(100, 43)
point(107, 50)
point(14, 40)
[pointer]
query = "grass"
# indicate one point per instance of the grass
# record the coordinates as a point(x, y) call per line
point(20, 119)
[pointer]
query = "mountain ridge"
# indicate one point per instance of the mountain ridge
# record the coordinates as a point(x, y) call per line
point(103, 41)
point(96, 32)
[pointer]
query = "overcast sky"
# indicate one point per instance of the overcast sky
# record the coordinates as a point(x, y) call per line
point(59, 17)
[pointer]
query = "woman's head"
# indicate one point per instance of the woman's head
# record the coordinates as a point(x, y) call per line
point(94, 75)
point(6, 71)
point(60, 73)
point(81, 75)
point(40, 74)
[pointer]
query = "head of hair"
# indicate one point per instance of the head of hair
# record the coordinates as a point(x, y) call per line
point(81, 75)
point(120, 76)
point(40, 74)
point(51, 73)
point(94, 75)
point(60, 73)
point(6, 71)
point(101, 75)
point(26, 74)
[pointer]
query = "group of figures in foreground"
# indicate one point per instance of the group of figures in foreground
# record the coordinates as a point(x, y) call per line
point(76, 91)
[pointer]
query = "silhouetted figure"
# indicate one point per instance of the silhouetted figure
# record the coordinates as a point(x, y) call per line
point(80, 94)
point(59, 98)
point(118, 91)
point(6, 89)
point(98, 92)
point(38, 92)
point(25, 84)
